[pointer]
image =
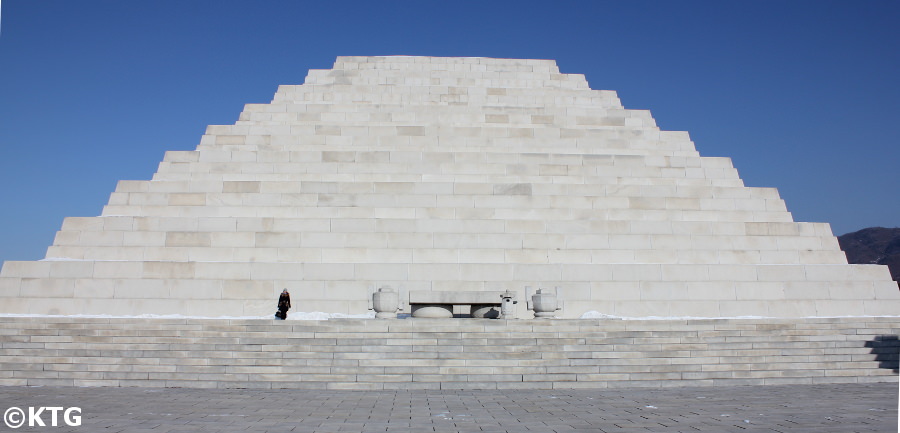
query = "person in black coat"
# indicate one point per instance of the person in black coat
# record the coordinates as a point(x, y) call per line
point(284, 304)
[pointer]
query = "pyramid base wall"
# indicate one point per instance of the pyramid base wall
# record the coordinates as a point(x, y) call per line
point(371, 354)
point(635, 309)
point(624, 290)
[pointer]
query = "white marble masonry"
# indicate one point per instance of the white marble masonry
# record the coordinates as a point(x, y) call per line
point(437, 174)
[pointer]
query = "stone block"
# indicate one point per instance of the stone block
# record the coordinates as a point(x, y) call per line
point(167, 270)
point(74, 269)
point(141, 289)
point(187, 199)
point(46, 288)
point(188, 239)
point(104, 270)
point(781, 273)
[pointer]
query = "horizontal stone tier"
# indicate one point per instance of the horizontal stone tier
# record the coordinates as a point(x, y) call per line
point(277, 249)
point(458, 173)
point(532, 111)
point(449, 172)
point(239, 232)
point(452, 84)
point(584, 116)
point(446, 194)
point(586, 122)
point(439, 63)
point(270, 138)
point(440, 193)
point(424, 233)
point(387, 78)
point(435, 77)
point(466, 105)
point(441, 96)
point(588, 125)
point(421, 204)
point(431, 354)
point(422, 71)
point(417, 233)
point(459, 147)
point(488, 62)
point(243, 307)
point(444, 84)
point(597, 149)
point(623, 289)
point(657, 194)
point(635, 158)
point(280, 180)
point(581, 145)
point(295, 211)
point(600, 273)
point(422, 122)
point(200, 180)
point(325, 220)
point(519, 138)
point(365, 154)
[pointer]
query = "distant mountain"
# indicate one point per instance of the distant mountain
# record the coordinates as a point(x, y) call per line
point(876, 245)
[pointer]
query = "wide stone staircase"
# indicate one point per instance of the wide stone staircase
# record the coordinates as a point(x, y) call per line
point(371, 354)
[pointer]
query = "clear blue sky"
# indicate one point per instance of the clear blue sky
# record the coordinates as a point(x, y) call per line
point(804, 96)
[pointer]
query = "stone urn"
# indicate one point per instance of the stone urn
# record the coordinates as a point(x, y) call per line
point(545, 304)
point(386, 303)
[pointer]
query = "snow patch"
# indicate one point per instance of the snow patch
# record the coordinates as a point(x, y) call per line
point(599, 315)
point(314, 315)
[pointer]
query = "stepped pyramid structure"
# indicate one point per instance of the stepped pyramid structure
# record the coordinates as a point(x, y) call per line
point(445, 174)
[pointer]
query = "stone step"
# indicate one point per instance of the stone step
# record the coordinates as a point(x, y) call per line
point(775, 211)
point(386, 119)
point(436, 256)
point(323, 223)
point(440, 241)
point(231, 163)
point(493, 140)
point(676, 275)
point(707, 197)
point(270, 147)
point(509, 196)
point(273, 179)
point(655, 157)
point(445, 354)
point(453, 243)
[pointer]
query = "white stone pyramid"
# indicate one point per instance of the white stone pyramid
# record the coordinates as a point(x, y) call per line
point(428, 173)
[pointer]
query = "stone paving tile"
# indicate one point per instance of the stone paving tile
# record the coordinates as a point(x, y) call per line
point(840, 408)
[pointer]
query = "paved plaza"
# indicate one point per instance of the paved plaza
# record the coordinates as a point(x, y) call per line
point(790, 408)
